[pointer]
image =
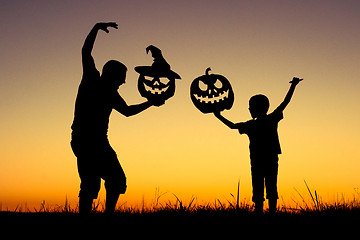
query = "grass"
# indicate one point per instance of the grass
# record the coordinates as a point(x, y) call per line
point(314, 206)
point(318, 207)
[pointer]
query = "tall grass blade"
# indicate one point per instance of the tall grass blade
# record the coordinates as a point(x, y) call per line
point(306, 206)
point(221, 205)
point(238, 195)
point(311, 195)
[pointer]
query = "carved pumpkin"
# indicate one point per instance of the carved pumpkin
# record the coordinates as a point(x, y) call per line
point(211, 93)
point(156, 89)
point(156, 82)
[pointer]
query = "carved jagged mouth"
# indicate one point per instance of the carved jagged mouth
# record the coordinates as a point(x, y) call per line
point(155, 90)
point(207, 99)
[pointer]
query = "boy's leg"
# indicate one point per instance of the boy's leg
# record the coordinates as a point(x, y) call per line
point(259, 207)
point(271, 184)
point(272, 205)
point(258, 187)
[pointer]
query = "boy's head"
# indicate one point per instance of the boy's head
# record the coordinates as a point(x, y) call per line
point(114, 74)
point(258, 105)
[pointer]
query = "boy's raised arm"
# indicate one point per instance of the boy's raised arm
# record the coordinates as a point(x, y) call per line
point(294, 82)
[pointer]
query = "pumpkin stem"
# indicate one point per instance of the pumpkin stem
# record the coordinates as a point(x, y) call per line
point(207, 71)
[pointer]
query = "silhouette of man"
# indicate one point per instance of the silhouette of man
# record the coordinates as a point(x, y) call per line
point(264, 145)
point(97, 96)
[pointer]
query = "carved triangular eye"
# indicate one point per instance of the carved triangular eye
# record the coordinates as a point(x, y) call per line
point(218, 84)
point(203, 86)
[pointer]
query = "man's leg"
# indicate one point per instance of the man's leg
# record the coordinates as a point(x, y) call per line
point(115, 180)
point(89, 189)
point(85, 205)
point(111, 200)
point(114, 187)
point(87, 169)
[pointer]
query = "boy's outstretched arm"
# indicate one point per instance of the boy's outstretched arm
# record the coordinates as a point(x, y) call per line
point(225, 121)
point(295, 81)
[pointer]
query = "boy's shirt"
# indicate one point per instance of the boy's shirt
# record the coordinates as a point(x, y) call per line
point(263, 134)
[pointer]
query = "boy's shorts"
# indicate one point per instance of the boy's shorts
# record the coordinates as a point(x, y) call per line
point(96, 160)
point(264, 169)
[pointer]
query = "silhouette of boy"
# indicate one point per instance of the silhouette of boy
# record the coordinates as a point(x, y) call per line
point(264, 145)
point(97, 96)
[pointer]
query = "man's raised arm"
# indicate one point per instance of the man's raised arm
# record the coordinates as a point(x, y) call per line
point(87, 59)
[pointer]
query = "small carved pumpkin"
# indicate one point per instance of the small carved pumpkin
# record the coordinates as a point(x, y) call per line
point(211, 93)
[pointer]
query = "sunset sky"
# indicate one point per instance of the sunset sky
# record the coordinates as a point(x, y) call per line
point(258, 45)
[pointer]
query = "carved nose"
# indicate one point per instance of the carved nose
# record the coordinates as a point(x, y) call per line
point(211, 90)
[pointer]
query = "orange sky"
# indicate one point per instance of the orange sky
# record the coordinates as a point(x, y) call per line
point(258, 45)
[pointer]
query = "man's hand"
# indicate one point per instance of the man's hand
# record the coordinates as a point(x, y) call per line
point(296, 80)
point(104, 26)
point(157, 103)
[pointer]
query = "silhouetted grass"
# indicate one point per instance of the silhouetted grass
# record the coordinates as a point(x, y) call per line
point(233, 207)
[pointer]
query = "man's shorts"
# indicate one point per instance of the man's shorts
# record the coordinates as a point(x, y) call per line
point(95, 160)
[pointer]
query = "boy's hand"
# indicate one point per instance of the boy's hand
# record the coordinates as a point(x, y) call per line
point(296, 80)
point(104, 26)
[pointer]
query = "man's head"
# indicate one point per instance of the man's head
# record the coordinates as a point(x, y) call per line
point(114, 74)
point(258, 105)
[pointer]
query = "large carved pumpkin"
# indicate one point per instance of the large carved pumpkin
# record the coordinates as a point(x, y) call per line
point(211, 93)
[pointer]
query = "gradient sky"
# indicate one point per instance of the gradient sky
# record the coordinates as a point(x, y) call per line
point(258, 45)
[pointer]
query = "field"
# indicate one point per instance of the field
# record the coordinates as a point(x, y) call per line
point(309, 205)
